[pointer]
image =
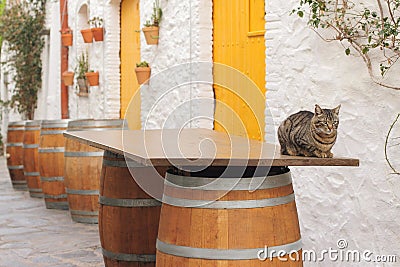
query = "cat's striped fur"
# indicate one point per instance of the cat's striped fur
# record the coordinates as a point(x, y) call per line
point(309, 134)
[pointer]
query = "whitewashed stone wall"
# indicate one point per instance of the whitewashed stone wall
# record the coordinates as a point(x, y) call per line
point(103, 100)
point(361, 204)
point(49, 97)
point(178, 94)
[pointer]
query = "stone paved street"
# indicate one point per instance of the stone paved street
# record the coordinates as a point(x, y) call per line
point(33, 236)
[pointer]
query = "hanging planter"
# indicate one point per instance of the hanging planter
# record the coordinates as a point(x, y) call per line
point(66, 37)
point(93, 78)
point(87, 35)
point(151, 29)
point(81, 68)
point(83, 87)
point(68, 78)
point(143, 72)
point(151, 34)
point(98, 34)
point(97, 28)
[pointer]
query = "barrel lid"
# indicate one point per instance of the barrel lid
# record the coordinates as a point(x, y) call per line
point(33, 123)
point(105, 124)
point(55, 123)
point(16, 123)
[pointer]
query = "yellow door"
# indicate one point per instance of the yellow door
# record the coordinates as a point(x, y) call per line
point(239, 28)
point(130, 55)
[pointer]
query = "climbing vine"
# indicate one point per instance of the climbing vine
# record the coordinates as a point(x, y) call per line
point(21, 26)
point(368, 31)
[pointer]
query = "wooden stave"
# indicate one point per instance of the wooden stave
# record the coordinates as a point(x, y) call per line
point(123, 251)
point(14, 147)
point(166, 257)
point(51, 150)
point(31, 158)
point(82, 198)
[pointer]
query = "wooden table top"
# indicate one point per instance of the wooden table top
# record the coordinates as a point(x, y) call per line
point(196, 147)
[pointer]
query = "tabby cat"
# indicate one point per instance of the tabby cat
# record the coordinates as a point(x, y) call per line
point(309, 134)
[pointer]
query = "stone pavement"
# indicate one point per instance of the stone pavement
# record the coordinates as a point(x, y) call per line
point(33, 236)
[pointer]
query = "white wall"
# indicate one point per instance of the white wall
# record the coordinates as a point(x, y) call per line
point(174, 98)
point(361, 204)
point(103, 100)
point(49, 97)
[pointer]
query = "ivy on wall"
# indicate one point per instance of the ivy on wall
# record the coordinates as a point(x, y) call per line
point(21, 26)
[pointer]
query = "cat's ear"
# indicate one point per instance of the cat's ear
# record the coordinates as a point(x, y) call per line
point(318, 110)
point(336, 110)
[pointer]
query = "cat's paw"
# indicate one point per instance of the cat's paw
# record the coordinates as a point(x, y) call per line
point(326, 155)
point(320, 154)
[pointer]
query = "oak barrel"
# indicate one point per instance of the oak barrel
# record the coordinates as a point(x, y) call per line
point(31, 158)
point(82, 170)
point(51, 163)
point(128, 219)
point(14, 147)
point(198, 227)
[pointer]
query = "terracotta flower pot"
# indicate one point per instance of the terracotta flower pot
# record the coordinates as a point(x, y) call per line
point(87, 35)
point(143, 74)
point(66, 39)
point(93, 78)
point(151, 35)
point(98, 34)
point(68, 78)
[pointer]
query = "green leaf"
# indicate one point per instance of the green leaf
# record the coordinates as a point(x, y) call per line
point(300, 13)
point(347, 51)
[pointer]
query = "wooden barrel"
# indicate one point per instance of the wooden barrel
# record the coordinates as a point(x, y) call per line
point(14, 147)
point(82, 170)
point(31, 158)
point(234, 230)
point(51, 163)
point(128, 219)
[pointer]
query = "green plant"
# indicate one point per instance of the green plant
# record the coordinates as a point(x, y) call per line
point(21, 25)
point(82, 65)
point(2, 6)
point(96, 22)
point(143, 64)
point(362, 30)
point(156, 16)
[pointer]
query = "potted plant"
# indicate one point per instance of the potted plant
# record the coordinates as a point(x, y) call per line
point(82, 66)
point(97, 28)
point(92, 77)
point(68, 78)
point(66, 37)
point(151, 28)
point(143, 72)
point(87, 35)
